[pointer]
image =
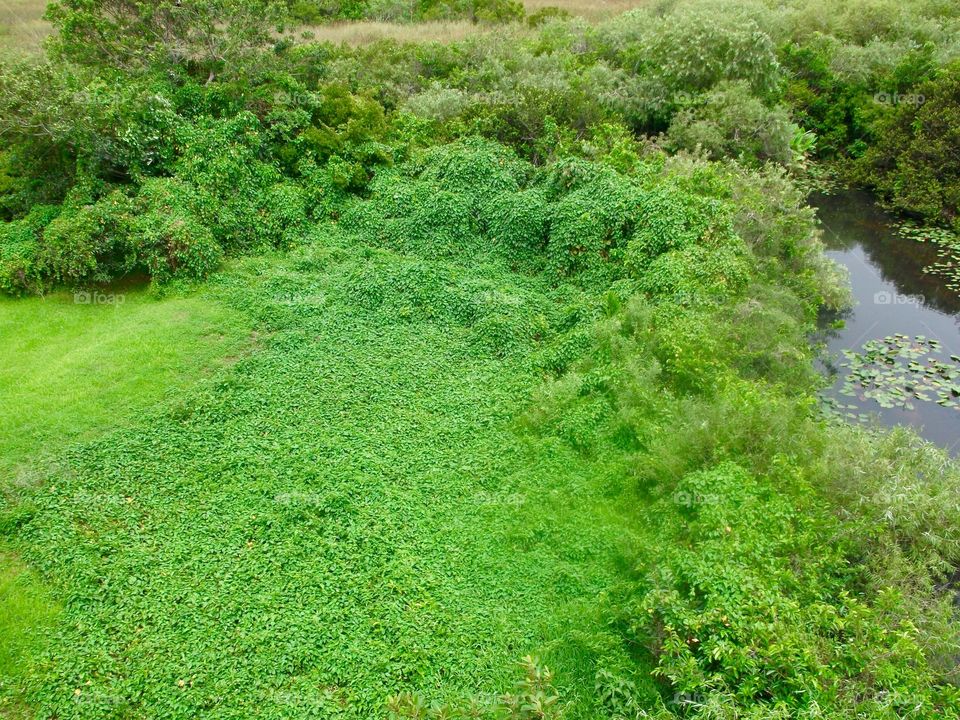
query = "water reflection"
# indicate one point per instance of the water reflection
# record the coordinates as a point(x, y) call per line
point(892, 295)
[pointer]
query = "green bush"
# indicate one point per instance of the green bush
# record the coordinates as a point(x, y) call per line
point(518, 223)
point(914, 160)
point(139, 36)
point(672, 219)
point(21, 270)
point(166, 237)
point(156, 231)
point(224, 160)
point(734, 619)
point(493, 11)
point(591, 224)
point(477, 168)
point(731, 122)
point(547, 14)
point(676, 55)
point(88, 242)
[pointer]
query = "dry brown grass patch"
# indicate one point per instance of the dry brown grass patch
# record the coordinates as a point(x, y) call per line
point(22, 28)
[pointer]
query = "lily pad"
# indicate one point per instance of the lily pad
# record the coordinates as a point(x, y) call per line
point(899, 369)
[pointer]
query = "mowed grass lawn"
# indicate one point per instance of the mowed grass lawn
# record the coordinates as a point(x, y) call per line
point(351, 510)
point(72, 370)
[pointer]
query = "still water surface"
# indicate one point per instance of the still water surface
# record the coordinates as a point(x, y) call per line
point(892, 295)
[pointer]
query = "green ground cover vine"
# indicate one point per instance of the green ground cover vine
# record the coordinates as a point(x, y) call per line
point(456, 354)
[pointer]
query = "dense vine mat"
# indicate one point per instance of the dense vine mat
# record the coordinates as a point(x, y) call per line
point(351, 510)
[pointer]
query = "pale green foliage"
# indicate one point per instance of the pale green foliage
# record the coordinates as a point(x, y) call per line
point(681, 53)
point(133, 35)
point(729, 121)
point(439, 103)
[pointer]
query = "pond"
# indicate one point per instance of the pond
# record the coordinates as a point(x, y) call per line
point(908, 320)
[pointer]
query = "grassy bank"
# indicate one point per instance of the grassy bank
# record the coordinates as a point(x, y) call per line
point(75, 367)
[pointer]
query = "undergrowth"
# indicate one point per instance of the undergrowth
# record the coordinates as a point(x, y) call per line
point(532, 375)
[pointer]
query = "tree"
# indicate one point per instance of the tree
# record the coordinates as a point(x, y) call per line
point(136, 34)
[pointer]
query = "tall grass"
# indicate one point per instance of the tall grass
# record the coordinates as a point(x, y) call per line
point(22, 29)
point(364, 32)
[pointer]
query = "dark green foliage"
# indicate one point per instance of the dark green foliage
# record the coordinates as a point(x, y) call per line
point(21, 269)
point(224, 198)
point(914, 160)
point(157, 232)
point(86, 242)
point(315, 11)
point(823, 103)
point(166, 235)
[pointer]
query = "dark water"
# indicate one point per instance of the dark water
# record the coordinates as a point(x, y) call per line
point(892, 295)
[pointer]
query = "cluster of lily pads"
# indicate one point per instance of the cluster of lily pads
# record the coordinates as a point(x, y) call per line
point(948, 251)
point(899, 369)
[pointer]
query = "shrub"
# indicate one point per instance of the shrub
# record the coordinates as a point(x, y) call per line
point(734, 620)
point(137, 35)
point(441, 225)
point(547, 14)
point(498, 11)
point(591, 224)
point(477, 168)
point(718, 270)
point(87, 243)
point(156, 231)
point(493, 11)
point(672, 219)
point(166, 237)
point(21, 270)
point(439, 103)
point(731, 122)
point(686, 52)
point(223, 160)
point(518, 223)
point(914, 161)
point(392, 10)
